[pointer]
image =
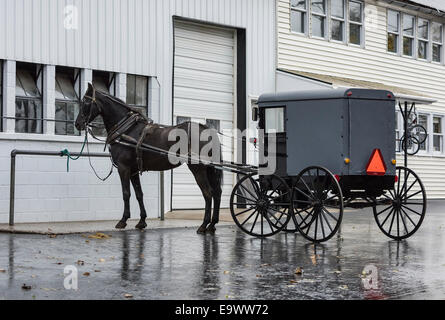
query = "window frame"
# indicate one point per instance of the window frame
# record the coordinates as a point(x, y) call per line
point(433, 134)
point(441, 61)
point(135, 94)
point(328, 19)
point(426, 40)
point(361, 23)
point(38, 79)
point(402, 16)
point(397, 34)
point(66, 102)
point(305, 12)
point(342, 20)
point(416, 38)
point(325, 20)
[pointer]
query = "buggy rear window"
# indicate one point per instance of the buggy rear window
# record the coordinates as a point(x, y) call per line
point(274, 120)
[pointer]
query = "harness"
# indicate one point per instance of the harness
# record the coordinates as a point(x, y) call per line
point(132, 118)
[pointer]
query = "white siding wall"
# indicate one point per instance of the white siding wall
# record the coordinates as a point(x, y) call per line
point(126, 36)
point(371, 63)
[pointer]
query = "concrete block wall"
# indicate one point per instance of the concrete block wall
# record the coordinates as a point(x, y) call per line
point(46, 192)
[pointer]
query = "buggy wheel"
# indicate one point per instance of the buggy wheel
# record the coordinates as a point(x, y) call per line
point(317, 203)
point(400, 212)
point(260, 204)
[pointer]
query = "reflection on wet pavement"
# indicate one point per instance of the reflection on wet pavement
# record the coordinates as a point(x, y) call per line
point(179, 264)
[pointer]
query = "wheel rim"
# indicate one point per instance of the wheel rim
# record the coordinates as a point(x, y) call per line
point(413, 145)
point(317, 204)
point(258, 207)
point(400, 212)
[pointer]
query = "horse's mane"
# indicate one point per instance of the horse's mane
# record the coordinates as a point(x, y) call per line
point(123, 104)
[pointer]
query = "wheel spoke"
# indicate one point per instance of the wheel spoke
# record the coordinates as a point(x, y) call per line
point(248, 218)
point(392, 222)
point(384, 221)
point(316, 225)
point(412, 184)
point(409, 218)
point(245, 198)
point(330, 214)
point(254, 222)
point(321, 223)
point(412, 195)
point(327, 221)
point(384, 210)
point(403, 221)
point(244, 211)
point(242, 186)
point(419, 214)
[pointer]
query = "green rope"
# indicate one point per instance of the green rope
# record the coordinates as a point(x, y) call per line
point(66, 153)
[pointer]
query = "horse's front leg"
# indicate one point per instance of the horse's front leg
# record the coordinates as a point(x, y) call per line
point(136, 182)
point(125, 175)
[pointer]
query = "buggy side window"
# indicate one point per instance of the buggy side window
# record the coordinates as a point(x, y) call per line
point(274, 120)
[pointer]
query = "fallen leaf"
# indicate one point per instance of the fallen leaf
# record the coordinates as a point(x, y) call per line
point(26, 287)
point(101, 260)
point(80, 262)
point(87, 241)
point(226, 272)
point(128, 295)
point(53, 236)
point(299, 271)
point(343, 287)
point(99, 235)
point(86, 274)
point(33, 276)
point(292, 281)
point(258, 276)
point(2, 270)
point(59, 263)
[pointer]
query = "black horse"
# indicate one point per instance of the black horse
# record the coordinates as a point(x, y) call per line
point(115, 114)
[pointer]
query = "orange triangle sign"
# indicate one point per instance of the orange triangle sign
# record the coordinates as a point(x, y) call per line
point(376, 165)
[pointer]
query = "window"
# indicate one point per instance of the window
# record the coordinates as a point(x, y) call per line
point(393, 31)
point(180, 119)
point(137, 92)
point(67, 100)
point(328, 19)
point(318, 19)
point(437, 35)
point(437, 134)
point(106, 82)
point(423, 37)
point(213, 124)
point(274, 120)
point(408, 34)
point(337, 20)
point(298, 16)
point(355, 22)
point(423, 121)
point(28, 102)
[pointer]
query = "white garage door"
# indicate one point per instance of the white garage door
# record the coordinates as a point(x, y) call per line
point(204, 73)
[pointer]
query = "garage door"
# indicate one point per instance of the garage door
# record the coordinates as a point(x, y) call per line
point(204, 68)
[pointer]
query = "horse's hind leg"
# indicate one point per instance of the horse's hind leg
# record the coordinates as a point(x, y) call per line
point(200, 174)
point(124, 174)
point(136, 182)
point(215, 178)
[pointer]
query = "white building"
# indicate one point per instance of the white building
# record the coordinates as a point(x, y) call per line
point(397, 45)
point(197, 59)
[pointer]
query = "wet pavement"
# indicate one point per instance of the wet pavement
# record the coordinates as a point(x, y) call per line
point(180, 264)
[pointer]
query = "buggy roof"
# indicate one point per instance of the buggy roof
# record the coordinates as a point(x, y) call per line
point(325, 94)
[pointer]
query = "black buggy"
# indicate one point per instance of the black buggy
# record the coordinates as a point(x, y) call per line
point(334, 149)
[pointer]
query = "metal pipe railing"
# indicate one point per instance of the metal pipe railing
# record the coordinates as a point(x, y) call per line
point(15, 152)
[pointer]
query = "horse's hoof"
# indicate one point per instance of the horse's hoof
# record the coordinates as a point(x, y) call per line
point(141, 225)
point(201, 230)
point(211, 229)
point(121, 225)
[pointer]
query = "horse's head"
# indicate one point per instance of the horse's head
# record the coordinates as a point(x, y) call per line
point(90, 108)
